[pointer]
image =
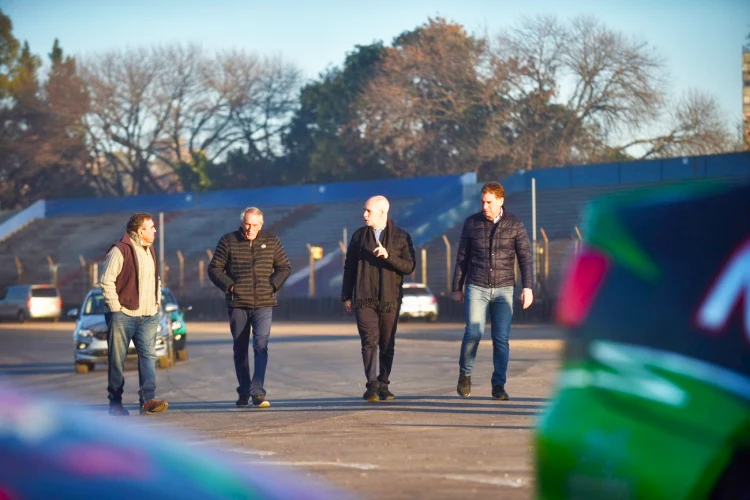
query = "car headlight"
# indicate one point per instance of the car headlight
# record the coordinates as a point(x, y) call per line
point(84, 334)
point(177, 337)
point(159, 342)
point(81, 346)
point(176, 325)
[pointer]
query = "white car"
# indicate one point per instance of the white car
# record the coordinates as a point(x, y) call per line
point(22, 302)
point(418, 302)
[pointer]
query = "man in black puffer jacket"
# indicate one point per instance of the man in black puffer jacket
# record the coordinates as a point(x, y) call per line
point(378, 257)
point(490, 241)
point(250, 266)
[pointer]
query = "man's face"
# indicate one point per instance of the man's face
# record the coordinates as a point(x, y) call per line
point(374, 214)
point(491, 205)
point(147, 232)
point(252, 225)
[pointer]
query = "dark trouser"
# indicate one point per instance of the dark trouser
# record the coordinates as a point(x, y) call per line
point(377, 330)
point(142, 331)
point(240, 321)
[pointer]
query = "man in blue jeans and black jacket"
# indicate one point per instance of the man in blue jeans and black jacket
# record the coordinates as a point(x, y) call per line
point(485, 262)
point(250, 266)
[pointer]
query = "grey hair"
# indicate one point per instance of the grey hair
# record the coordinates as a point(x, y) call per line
point(251, 210)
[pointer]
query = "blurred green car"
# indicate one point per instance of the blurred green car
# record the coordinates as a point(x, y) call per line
point(177, 315)
point(653, 398)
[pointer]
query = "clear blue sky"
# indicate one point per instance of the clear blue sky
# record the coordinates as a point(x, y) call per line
point(700, 40)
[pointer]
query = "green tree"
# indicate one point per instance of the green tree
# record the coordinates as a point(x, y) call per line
point(9, 47)
point(321, 145)
point(66, 102)
point(434, 106)
point(43, 151)
point(22, 117)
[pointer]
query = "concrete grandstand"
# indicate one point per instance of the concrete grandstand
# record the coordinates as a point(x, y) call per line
point(63, 240)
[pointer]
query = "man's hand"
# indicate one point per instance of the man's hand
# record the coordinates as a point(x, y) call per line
point(348, 306)
point(527, 297)
point(380, 251)
point(459, 296)
point(230, 289)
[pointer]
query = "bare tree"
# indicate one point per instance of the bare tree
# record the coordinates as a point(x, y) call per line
point(160, 115)
point(695, 126)
point(206, 94)
point(575, 86)
point(127, 123)
point(265, 106)
point(582, 93)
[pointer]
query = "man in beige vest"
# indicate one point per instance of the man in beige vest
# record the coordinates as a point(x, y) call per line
point(132, 290)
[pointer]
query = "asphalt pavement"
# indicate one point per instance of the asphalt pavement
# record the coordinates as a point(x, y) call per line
point(427, 443)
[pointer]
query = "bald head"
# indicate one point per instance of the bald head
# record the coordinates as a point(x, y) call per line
point(376, 211)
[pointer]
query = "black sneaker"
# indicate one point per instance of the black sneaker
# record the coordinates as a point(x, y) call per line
point(371, 396)
point(260, 402)
point(464, 386)
point(118, 410)
point(498, 392)
point(243, 401)
point(385, 395)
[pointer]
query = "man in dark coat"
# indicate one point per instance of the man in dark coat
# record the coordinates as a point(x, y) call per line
point(250, 266)
point(377, 259)
point(490, 242)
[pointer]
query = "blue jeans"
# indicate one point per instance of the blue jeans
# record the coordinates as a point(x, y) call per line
point(499, 303)
point(142, 331)
point(240, 321)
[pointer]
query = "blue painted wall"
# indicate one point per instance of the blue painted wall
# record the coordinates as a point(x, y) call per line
point(262, 197)
point(636, 172)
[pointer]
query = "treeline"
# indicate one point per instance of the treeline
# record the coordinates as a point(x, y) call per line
point(437, 100)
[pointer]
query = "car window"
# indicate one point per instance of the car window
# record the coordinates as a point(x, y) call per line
point(95, 304)
point(417, 292)
point(44, 292)
point(17, 293)
point(167, 297)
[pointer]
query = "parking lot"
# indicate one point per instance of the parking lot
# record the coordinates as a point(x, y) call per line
point(428, 443)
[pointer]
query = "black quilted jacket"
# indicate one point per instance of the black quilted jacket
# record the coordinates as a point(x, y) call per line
point(257, 269)
point(487, 252)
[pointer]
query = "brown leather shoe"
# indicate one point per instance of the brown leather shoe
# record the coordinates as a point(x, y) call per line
point(154, 406)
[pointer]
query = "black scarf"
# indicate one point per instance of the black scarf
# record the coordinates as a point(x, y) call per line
point(378, 284)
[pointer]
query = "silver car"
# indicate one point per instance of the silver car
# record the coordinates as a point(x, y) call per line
point(90, 335)
point(22, 302)
point(418, 302)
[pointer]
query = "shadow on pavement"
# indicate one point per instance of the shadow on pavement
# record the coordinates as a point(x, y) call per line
point(437, 404)
point(36, 369)
point(282, 339)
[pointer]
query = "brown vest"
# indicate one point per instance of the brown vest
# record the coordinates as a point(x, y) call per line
point(126, 283)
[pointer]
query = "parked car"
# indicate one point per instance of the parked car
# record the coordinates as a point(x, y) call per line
point(177, 315)
point(90, 335)
point(653, 396)
point(418, 302)
point(22, 302)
